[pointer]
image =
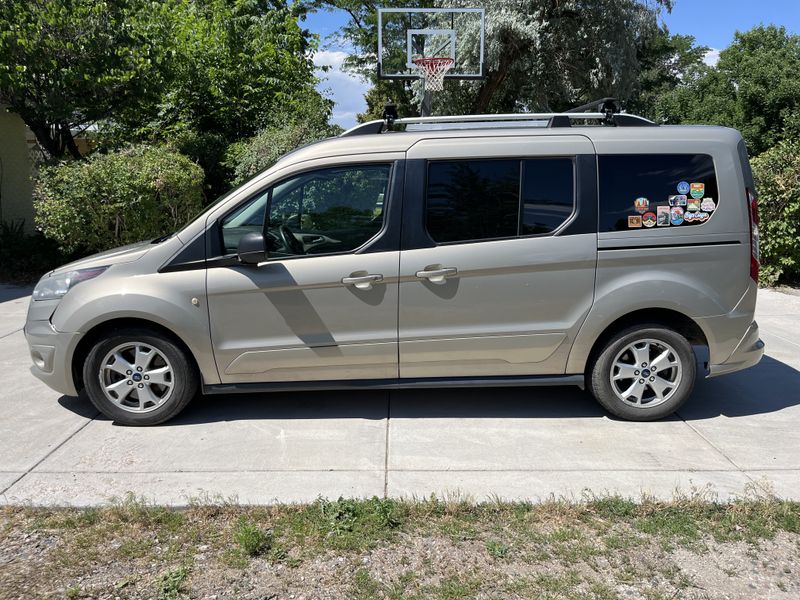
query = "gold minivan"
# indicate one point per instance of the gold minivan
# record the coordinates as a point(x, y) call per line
point(543, 250)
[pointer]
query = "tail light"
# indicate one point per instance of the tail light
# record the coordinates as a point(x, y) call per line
point(752, 207)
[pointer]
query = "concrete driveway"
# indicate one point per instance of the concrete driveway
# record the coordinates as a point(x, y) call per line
point(738, 432)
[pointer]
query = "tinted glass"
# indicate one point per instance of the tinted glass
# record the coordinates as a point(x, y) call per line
point(656, 190)
point(473, 199)
point(329, 210)
point(548, 193)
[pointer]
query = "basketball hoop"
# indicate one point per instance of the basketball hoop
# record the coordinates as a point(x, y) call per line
point(434, 68)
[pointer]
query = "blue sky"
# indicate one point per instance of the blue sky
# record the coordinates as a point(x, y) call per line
point(711, 22)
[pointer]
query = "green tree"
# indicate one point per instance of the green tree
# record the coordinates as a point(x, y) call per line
point(540, 54)
point(665, 61)
point(65, 64)
point(755, 88)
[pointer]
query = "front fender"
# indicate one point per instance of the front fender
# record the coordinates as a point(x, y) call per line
point(162, 298)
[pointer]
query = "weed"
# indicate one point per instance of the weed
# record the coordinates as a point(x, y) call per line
point(73, 592)
point(251, 538)
point(170, 584)
point(497, 549)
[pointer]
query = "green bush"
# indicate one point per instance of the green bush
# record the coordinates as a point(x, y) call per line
point(118, 198)
point(262, 151)
point(777, 175)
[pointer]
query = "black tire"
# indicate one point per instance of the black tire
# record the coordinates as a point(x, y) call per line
point(183, 378)
point(600, 373)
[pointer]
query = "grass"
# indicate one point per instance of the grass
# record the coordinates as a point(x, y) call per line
point(383, 548)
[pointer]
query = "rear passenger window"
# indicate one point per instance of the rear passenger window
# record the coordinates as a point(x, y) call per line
point(488, 199)
point(656, 190)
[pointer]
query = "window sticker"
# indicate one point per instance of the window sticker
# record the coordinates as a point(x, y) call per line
point(696, 217)
point(708, 205)
point(634, 221)
point(698, 190)
point(663, 216)
point(649, 219)
point(678, 200)
point(641, 205)
point(676, 215)
point(693, 204)
point(683, 188)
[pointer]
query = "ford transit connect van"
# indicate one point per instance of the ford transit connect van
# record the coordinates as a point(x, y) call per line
point(524, 250)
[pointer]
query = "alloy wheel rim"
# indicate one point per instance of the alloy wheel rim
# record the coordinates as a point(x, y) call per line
point(137, 377)
point(646, 373)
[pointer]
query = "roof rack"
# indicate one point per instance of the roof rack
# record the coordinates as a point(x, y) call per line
point(552, 120)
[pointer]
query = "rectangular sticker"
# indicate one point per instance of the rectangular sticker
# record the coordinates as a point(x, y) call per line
point(663, 216)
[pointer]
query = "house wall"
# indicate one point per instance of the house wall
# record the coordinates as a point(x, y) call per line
point(16, 195)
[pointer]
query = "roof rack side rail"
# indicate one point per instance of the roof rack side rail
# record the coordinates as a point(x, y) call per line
point(550, 120)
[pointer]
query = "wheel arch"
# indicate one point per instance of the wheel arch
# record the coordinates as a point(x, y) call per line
point(105, 328)
point(666, 317)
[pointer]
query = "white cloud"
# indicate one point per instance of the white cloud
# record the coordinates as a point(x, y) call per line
point(345, 89)
point(711, 57)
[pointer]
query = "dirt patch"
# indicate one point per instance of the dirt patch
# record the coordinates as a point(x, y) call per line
point(606, 548)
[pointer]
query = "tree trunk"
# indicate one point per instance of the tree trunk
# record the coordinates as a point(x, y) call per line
point(57, 139)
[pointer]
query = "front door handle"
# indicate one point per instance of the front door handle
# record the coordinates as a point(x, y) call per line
point(437, 275)
point(363, 282)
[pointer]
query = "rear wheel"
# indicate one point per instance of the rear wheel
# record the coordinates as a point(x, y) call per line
point(139, 377)
point(644, 373)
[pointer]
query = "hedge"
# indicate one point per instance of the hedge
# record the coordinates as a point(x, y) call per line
point(108, 200)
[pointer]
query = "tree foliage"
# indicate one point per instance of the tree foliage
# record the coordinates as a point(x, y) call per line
point(112, 199)
point(65, 64)
point(540, 54)
point(777, 174)
point(755, 88)
point(151, 71)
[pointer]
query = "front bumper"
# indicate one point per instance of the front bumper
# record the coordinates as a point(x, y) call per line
point(748, 353)
point(51, 352)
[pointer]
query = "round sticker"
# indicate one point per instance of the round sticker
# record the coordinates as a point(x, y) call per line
point(683, 187)
point(649, 219)
point(676, 215)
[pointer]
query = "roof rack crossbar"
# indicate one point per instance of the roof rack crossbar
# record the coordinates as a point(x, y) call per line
point(552, 120)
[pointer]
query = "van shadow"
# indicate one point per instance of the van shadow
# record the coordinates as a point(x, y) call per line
point(768, 387)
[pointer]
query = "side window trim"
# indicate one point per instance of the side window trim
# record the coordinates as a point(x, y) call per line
point(215, 245)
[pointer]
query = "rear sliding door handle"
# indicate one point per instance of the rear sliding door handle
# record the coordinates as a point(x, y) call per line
point(437, 275)
point(362, 282)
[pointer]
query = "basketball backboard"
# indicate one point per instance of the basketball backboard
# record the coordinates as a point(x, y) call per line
point(406, 34)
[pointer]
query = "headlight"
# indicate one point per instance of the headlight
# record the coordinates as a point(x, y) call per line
point(55, 286)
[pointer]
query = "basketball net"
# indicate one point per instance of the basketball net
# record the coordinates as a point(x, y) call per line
point(434, 68)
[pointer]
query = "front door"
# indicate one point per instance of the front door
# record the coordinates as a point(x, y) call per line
point(324, 305)
point(499, 254)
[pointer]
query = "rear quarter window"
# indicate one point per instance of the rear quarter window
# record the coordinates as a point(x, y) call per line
point(658, 191)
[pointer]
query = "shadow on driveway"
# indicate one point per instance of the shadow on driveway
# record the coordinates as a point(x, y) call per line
point(13, 292)
point(768, 387)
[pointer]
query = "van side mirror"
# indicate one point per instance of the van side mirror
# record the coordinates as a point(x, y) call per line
point(252, 249)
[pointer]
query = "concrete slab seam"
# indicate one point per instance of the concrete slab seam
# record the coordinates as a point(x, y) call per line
point(714, 446)
point(386, 446)
point(48, 455)
point(5, 335)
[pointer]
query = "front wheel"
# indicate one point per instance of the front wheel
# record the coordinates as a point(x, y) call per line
point(643, 373)
point(139, 377)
